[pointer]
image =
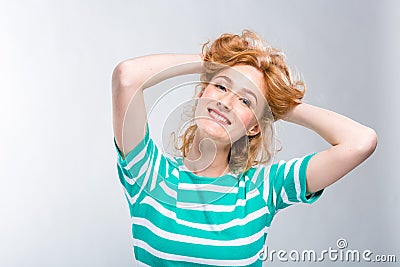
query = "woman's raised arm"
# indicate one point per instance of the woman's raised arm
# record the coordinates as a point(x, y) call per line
point(352, 143)
point(129, 79)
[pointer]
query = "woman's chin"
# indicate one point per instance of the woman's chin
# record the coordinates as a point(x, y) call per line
point(214, 130)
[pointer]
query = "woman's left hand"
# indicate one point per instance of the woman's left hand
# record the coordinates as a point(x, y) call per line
point(352, 143)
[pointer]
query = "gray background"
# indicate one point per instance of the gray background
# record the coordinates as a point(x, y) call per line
point(60, 200)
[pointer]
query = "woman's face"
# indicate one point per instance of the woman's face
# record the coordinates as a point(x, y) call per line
point(229, 106)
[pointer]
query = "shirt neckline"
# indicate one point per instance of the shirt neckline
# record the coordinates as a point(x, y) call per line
point(182, 167)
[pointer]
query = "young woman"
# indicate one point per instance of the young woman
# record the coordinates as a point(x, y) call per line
point(213, 205)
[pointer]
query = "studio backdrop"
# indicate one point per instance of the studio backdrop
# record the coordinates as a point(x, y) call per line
point(61, 203)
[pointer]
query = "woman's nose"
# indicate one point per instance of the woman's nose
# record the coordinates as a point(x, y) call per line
point(226, 101)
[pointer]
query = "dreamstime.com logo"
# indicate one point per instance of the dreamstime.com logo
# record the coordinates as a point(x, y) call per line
point(341, 254)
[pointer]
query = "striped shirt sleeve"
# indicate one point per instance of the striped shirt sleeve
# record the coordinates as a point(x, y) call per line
point(139, 170)
point(288, 180)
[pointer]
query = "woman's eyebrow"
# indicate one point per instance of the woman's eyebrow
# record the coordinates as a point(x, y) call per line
point(224, 77)
point(247, 91)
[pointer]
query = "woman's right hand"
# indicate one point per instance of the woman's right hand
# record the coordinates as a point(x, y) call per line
point(130, 78)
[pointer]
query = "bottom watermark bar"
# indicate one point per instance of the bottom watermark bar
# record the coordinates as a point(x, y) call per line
point(340, 253)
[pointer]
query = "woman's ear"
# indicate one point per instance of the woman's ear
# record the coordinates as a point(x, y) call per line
point(253, 130)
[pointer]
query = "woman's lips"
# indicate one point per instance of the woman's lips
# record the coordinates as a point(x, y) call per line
point(218, 116)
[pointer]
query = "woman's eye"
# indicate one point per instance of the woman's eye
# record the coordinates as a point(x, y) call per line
point(246, 101)
point(221, 87)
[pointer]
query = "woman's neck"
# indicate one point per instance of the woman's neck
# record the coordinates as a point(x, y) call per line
point(207, 158)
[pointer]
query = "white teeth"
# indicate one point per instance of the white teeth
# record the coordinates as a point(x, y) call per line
point(218, 117)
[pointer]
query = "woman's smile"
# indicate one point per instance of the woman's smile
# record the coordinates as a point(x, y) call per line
point(218, 116)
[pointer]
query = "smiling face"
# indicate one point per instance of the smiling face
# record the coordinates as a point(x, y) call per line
point(229, 106)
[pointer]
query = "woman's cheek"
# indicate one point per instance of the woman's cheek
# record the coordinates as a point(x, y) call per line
point(209, 93)
point(245, 116)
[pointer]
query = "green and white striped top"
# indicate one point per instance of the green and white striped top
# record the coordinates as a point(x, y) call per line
point(182, 219)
